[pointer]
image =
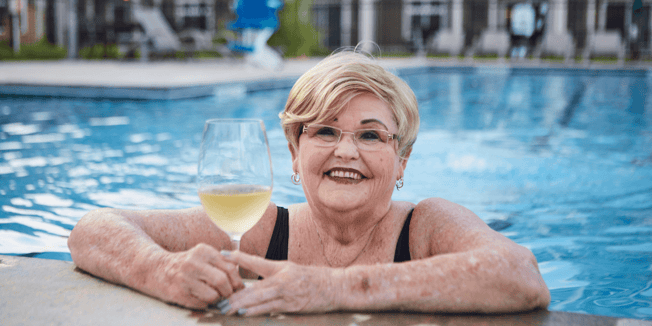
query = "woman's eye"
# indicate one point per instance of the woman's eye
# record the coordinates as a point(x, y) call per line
point(326, 132)
point(369, 135)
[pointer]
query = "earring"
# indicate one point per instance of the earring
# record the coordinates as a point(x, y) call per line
point(295, 178)
point(399, 184)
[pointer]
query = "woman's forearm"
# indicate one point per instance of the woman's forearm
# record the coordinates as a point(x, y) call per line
point(172, 255)
point(475, 281)
point(106, 244)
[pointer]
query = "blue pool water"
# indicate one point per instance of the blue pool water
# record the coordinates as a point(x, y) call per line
point(558, 161)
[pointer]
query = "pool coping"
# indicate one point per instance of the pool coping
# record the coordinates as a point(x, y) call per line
point(140, 81)
point(141, 93)
point(187, 80)
point(43, 291)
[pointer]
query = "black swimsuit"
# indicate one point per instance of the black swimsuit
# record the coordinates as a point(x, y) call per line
point(278, 244)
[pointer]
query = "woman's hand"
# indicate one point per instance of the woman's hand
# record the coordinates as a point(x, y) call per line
point(286, 287)
point(197, 277)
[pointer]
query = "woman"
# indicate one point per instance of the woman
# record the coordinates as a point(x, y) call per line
point(350, 127)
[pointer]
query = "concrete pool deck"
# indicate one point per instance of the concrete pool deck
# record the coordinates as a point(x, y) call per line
point(51, 292)
point(166, 80)
point(153, 80)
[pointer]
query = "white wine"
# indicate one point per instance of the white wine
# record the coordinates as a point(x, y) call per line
point(235, 208)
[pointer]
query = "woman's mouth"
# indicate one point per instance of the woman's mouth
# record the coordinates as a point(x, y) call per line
point(345, 175)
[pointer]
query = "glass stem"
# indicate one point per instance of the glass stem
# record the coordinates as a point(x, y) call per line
point(235, 244)
point(235, 241)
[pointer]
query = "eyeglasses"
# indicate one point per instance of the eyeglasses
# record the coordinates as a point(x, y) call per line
point(364, 139)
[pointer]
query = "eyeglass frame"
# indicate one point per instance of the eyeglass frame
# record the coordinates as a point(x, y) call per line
point(390, 136)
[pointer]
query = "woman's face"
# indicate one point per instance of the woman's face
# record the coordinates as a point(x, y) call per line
point(343, 177)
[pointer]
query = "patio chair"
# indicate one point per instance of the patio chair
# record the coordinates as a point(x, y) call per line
point(157, 37)
point(257, 21)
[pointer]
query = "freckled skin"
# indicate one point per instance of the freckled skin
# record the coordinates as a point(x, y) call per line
point(341, 245)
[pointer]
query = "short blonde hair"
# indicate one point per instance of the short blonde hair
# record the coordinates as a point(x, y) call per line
point(326, 89)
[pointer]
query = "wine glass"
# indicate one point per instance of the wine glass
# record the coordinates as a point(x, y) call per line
point(234, 175)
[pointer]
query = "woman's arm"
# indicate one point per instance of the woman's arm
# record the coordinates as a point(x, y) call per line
point(458, 264)
point(463, 266)
point(481, 281)
point(169, 254)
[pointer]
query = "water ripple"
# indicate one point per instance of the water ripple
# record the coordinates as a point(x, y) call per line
point(553, 160)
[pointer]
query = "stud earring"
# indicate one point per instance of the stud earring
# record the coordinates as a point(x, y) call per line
point(295, 178)
point(399, 184)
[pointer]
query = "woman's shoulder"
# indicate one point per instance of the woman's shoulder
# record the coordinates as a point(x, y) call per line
point(427, 208)
point(439, 213)
point(435, 203)
point(447, 225)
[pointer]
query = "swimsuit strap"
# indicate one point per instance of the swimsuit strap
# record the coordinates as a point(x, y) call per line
point(278, 244)
point(402, 252)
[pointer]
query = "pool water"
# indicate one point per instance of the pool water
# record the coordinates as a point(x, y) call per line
point(559, 161)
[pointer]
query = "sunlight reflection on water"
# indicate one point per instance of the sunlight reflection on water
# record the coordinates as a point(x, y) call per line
point(569, 183)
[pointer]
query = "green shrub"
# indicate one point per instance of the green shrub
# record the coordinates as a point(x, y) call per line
point(113, 52)
point(85, 53)
point(180, 55)
point(100, 51)
point(297, 36)
point(555, 58)
point(486, 56)
point(438, 55)
point(207, 54)
point(89, 52)
point(605, 59)
point(41, 50)
point(6, 52)
point(396, 54)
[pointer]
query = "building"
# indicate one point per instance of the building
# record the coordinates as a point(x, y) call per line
point(79, 23)
point(563, 28)
point(21, 21)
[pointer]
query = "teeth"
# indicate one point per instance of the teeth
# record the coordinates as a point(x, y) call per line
point(342, 174)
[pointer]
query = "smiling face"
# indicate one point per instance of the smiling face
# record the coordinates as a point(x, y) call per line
point(343, 177)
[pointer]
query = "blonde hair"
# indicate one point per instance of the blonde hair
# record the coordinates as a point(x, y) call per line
point(326, 89)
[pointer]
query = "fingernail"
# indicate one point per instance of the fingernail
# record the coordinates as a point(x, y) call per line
point(224, 309)
point(222, 303)
point(242, 311)
point(225, 253)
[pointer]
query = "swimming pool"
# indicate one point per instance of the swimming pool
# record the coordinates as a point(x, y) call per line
point(560, 161)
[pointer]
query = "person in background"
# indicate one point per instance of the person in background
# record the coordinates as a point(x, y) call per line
point(350, 126)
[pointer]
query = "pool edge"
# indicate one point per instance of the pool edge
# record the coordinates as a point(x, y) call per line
point(45, 291)
point(177, 81)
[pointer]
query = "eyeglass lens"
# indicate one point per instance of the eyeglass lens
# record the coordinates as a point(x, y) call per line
point(369, 139)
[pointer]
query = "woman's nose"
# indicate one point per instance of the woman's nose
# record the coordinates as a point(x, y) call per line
point(346, 147)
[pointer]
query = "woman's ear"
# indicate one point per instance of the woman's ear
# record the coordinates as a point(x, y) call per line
point(403, 161)
point(295, 157)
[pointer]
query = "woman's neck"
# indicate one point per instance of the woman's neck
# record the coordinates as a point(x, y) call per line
point(349, 227)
